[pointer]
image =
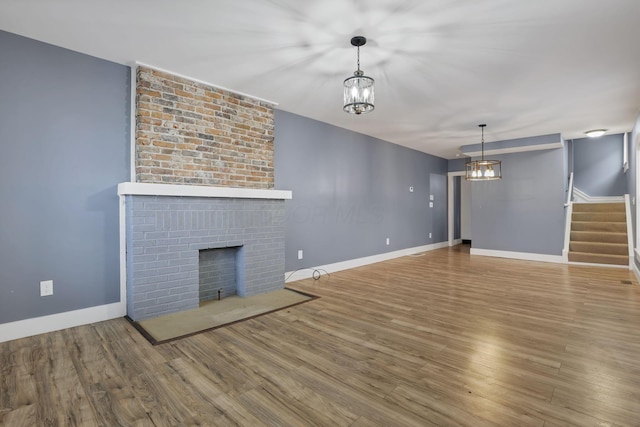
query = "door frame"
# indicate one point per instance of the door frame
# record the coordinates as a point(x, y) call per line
point(450, 200)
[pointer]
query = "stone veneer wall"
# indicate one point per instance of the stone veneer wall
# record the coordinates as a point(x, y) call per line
point(165, 235)
point(194, 134)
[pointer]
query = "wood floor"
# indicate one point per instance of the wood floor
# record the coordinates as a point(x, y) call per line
point(438, 339)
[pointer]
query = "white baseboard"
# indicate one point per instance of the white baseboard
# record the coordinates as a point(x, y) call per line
point(307, 273)
point(55, 322)
point(594, 264)
point(635, 270)
point(558, 259)
point(456, 242)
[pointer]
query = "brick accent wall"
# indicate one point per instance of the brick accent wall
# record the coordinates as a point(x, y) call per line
point(193, 134)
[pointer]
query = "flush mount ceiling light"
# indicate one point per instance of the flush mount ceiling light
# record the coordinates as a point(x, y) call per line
point(358, 89)
point(484, 170)
point(595, 133)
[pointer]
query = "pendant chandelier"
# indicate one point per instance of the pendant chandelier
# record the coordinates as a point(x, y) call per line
point(484, 170)
point(358, 89)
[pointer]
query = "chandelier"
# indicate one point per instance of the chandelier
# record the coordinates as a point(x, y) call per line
point(358, 89)
point(484, 170)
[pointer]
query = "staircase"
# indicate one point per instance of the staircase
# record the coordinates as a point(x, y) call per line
point(599, 234)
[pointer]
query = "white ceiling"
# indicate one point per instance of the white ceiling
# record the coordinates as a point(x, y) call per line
point(524, 67)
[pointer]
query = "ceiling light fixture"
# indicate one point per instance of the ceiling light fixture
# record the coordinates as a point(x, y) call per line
point(358, 89)
point(595, 133)
point(484, 170)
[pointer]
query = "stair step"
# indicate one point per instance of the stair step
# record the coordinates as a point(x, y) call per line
point(616, 227)
point(598, 236)
point(598, 258)
point(599, 248)
point(599, 216)
point(598, 207)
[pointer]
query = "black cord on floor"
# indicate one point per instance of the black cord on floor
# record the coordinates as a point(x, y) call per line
point(317, 272)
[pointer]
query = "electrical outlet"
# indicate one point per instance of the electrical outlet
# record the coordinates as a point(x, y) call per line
point(387, 240)
point(300, 254)
point(46, 288)
point(429, 235)
point(430, 204)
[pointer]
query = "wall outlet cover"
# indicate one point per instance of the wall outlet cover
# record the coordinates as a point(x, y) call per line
point(46, 288)
point(300, 254)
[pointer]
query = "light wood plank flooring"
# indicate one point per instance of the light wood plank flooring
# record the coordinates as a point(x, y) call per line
point(438, 339)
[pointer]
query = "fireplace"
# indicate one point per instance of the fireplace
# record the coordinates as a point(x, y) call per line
point(174, 232)
point(220, 272)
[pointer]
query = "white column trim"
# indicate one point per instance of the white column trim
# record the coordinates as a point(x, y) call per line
point(132, 124)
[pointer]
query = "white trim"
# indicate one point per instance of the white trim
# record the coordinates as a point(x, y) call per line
point(567, 232)
point(450, 207)
point(162, 70)
point(132, 123)
point(627, 207)
point(457, 242)
point(635, 270)
point(593, 264)
point(55, 322)
point(582, 197)
point(123, 253)
point(519, 255)
point(359, 262)
point(637, 254)
point(625, 152)
point(145, 189)
point(520, 149)
point(569, 191)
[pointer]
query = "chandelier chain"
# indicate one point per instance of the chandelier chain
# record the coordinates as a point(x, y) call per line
point(358, 58)
point(482, 127)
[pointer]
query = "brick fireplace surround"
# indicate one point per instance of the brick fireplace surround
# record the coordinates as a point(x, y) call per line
point(168, 226)
point(203, 180)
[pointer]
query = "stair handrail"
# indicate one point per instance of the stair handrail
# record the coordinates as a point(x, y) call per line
point(569, 191)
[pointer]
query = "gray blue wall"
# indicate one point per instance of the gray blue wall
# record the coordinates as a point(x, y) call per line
point(64, 136)
point(524, 211)
point(351, 192)
point(597, 165)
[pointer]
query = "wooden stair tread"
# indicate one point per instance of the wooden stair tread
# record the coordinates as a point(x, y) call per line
point(598, 258)
point(600, 216)
point(599, 207)
point(598, 236)
point(600, 248)
point(620, 227)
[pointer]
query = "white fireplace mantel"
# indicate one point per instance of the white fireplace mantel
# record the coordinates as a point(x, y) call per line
point(146, 189)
